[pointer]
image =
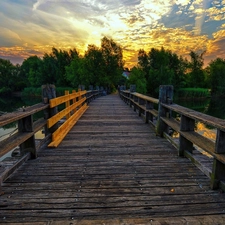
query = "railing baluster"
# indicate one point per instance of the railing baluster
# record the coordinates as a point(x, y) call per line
point(149, 116)
point(26, 125)
point(67, 104)
point(141, 102)
point(165, 96)
point(218, 170)
point(187, 124)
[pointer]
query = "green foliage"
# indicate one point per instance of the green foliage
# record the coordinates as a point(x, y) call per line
point(9, 77)
point(196, 76)
point(193, 93)
point(75, 72)
point(37, 91)
point(99, 67)
point(137, 77)
point(31, 71)
point(32, 91)
point(61, 90)
point(5, 90)
point(161, 67)
point(216, 76)
point(94, 59)
point(112, 61)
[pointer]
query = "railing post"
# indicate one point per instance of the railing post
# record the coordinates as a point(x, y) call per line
point(79, 97)
point(67, 104)
point(149, 116)
point(165, 96)
point(91, 94)
point(218, 170)
point(74, 100)
point(26, 125)
point(187, 124)
point(132, 89)
point(81, 87)
point(140, 102)
point(48, 92)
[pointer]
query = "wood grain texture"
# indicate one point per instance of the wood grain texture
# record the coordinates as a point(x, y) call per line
point(111, 168)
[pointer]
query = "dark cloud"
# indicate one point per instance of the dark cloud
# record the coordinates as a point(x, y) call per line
point(177, 18)
point(134, 18)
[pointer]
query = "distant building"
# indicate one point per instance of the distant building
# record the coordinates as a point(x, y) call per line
point(126, 74)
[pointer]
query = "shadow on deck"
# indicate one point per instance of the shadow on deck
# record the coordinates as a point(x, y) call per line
point(110, 169)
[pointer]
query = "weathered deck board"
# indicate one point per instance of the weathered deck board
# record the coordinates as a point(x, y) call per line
point(110, 169)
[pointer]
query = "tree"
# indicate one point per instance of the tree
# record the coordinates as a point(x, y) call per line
point(163, 67)
point(217, 76)
point(76, 72)
point(95, 66)
point(61, 60)
point(54, 66)
point(49, 70)
point(137, 77)
point(112, 61)
point(196, 75)
point(9, 77)
point(31, 71)
point(144, 62)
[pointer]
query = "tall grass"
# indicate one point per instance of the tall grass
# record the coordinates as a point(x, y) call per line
point(193, 93)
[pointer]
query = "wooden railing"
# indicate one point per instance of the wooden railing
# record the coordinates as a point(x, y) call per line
point(24, 137)
point(76, 105)
point(162, 113)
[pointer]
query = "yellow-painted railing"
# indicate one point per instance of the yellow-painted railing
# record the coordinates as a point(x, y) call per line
point(75, 106)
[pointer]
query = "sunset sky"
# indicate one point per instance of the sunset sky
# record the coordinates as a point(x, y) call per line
point(33, 27)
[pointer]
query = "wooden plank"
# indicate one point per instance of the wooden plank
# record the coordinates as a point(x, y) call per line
point(110, 168)
point(207, 219)
point(6, 171)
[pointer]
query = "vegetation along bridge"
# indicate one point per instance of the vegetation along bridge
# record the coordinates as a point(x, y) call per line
point(118, 165)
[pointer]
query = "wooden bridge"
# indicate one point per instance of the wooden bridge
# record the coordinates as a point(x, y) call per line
point(112, 168)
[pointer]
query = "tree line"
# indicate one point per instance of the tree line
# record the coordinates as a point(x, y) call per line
point(163, 67)
point(104, 65)
point(99, 66)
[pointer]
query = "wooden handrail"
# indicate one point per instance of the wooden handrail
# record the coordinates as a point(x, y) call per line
point(26, 129)
point(72, 112)
point(160, 113)
point(21, 113)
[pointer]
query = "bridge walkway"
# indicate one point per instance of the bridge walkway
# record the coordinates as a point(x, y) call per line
point(110, 169)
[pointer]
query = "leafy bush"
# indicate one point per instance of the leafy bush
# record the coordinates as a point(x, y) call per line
point(193, 93)
point(33, 91)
